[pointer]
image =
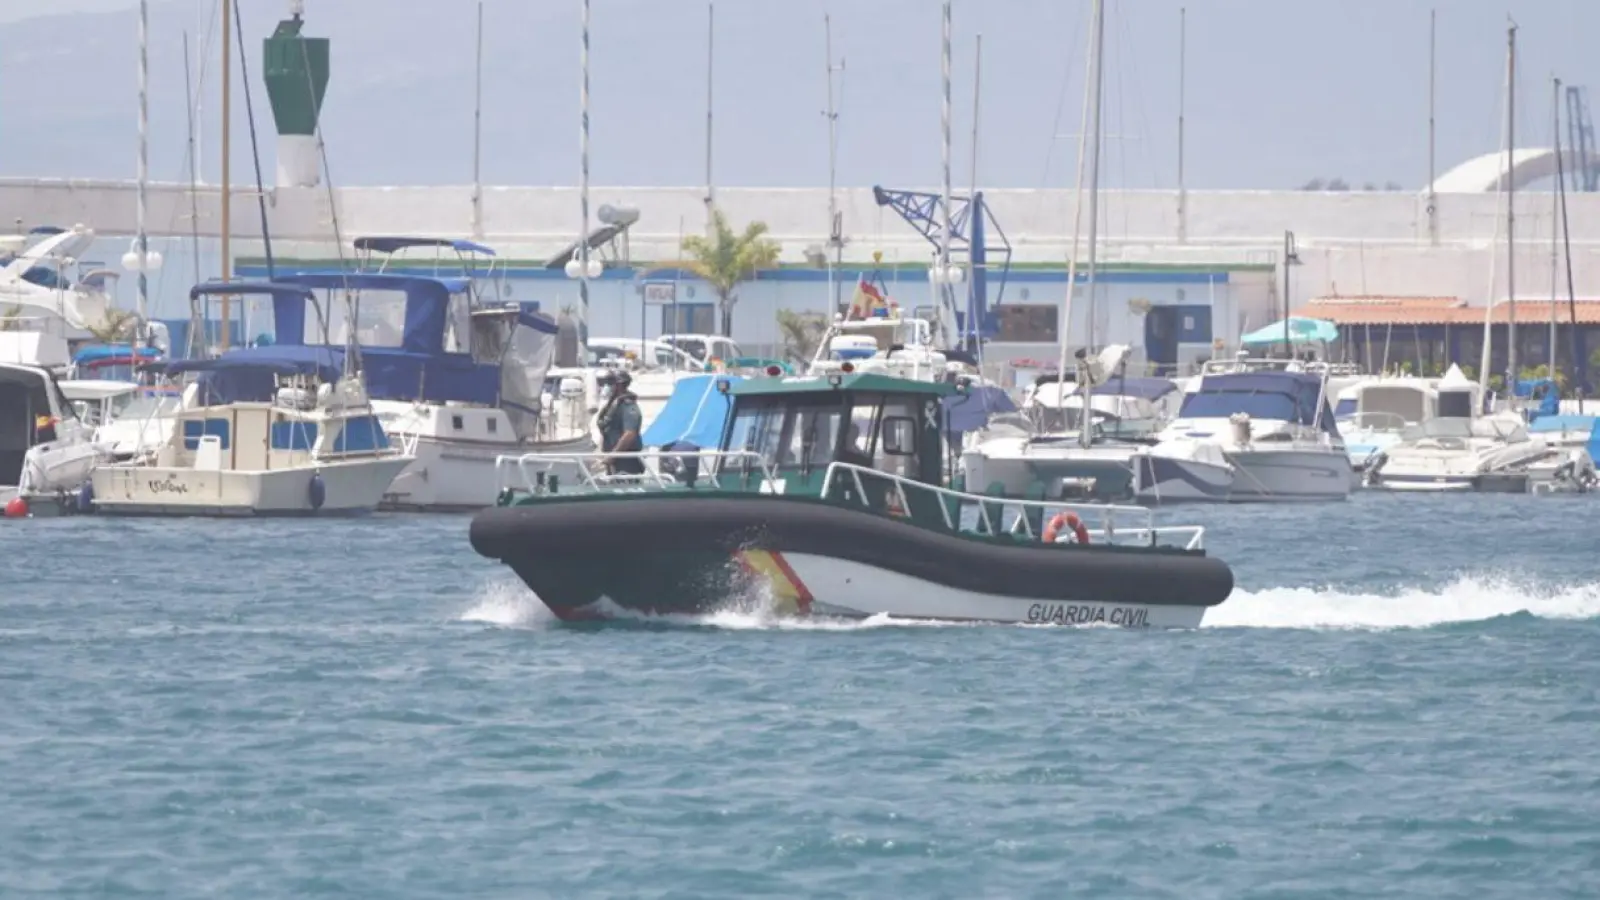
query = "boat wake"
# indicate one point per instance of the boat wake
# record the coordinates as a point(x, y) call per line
point(1467, 599)
point(509, 604)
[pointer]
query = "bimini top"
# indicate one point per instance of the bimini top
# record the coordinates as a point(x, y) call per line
point(397, 243)
point(855, 381)
point(1267, 395)
point(696, 412)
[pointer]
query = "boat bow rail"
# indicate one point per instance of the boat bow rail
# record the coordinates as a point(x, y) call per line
point(984, 514)
point(531, 473)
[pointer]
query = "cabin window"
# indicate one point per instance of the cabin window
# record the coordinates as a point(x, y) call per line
point(1027, 322)
point(380, 317)
point(813, 438)
point(494, 425)
point(458, 326)
point(899, 436)
point(455, 422)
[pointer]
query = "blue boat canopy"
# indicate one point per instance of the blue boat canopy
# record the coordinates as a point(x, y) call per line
point(971, 411)
point(397, 243)
point(1142, 387)
point(283, 359)
point(696, 412)
point(1284, 396)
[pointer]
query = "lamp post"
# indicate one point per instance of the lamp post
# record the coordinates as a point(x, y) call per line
point(1290, 258)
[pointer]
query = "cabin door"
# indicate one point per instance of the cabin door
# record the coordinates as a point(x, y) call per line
point(1161, 339)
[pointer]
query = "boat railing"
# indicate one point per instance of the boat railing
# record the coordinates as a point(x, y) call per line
point(993, 515)
point(541, 473)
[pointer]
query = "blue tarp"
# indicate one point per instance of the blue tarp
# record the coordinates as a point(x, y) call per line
point(1301, 330)
point(1285, 396)
point(696, 412)
point(250, 373)
point(94, 353)
point(1573, 425)
point(427, 304)
point(970, 412)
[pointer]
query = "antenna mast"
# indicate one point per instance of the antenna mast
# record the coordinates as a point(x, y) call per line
point(835, 220)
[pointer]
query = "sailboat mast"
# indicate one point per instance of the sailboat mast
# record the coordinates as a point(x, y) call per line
point(1555, 216)
point(477, 134)
point(1511, 211)
point(1572, 297)
point(1064, 331)
point(835, 235)
point(1094, 161)
point(711, 31)
point(227, 171)
point(942, 282)
point(143, 242)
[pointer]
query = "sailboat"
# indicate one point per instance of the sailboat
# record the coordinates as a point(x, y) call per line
point(1461, 448)
point(1081, 425)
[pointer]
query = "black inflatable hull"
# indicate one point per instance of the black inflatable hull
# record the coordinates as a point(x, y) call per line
point(677, 554)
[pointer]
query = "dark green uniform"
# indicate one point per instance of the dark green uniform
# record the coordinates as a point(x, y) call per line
point(620, 417)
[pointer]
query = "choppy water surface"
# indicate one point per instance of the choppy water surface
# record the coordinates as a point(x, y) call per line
point(1398, 701)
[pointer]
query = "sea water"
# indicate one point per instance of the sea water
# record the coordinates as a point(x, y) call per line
point(1399, 700)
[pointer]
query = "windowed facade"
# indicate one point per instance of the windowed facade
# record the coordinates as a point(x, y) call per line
point(1027, 323)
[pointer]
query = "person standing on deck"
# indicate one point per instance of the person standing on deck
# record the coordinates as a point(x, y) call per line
point(620, 426)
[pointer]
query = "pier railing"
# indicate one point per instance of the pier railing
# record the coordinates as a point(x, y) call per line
point(983, 514)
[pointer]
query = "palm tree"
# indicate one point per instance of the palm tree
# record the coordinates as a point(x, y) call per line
point(725, 259)
point(801, 332)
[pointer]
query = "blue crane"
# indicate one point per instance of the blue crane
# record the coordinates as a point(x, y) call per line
point(977, 236)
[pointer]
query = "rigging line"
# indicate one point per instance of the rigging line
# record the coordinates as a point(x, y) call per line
point(255, 149)
point(1067, 65)
point(352, 310)
point(196, 320)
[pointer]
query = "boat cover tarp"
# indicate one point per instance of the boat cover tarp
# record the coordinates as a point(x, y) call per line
point(1283, 396)
point(94, 353)
point(970, 412)
point(696, 413)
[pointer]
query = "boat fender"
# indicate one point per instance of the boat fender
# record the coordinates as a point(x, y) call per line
point(1061, 520)
point(317, 491)
point(16, 508)
point(86, 497)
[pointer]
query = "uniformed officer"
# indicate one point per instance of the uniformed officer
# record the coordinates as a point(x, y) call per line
point(620, 426)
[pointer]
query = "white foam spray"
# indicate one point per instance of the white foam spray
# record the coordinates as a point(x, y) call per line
point(1467, 599)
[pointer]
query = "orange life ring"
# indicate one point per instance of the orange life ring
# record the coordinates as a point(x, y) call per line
point(1065, 520)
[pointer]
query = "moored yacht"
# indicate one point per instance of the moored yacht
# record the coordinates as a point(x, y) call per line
point(1458, 447)
point(314, 447)
point(1373, 414)
point(1253, 436)
point(46, 452)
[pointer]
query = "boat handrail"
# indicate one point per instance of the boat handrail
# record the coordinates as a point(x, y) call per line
point(1111, 522)
point(528, 471)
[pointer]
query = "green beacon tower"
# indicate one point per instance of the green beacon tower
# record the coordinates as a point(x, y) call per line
point(296, 71)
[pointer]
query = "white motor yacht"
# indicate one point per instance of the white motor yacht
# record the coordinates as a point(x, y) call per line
point(46, 452)
point(1252, 436)
point(1373, 414)
point(1457, 448)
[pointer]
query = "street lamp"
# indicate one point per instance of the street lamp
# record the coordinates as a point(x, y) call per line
point(1290, 258)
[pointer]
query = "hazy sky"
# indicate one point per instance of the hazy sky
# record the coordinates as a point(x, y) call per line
point(1277, 92)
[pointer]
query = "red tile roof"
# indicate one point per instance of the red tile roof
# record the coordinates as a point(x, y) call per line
point(1443, 311)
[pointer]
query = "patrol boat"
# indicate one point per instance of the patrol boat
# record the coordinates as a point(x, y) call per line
point(777, 519)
